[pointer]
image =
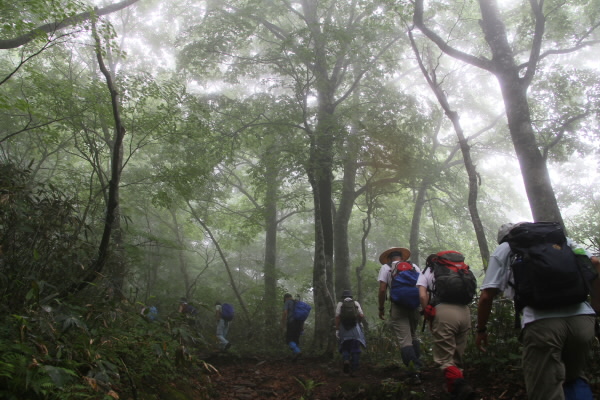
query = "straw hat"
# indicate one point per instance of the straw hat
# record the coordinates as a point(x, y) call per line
point(384, 257)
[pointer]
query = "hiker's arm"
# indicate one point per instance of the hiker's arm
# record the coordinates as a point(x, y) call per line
point(283, 319)
point(381, 297)
point(337, 323)
point(423, 296)
point(484, 308)
point(595, 295)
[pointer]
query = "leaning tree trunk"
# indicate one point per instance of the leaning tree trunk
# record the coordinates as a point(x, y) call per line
point(540, 193)
point(452, 115)
point(249, 321)
point(534, 170)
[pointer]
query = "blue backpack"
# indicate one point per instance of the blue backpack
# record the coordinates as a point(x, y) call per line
point(301, 310)
point(404, 291)
point(227, 311)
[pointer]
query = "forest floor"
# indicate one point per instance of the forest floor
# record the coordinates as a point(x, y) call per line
point(237, 378)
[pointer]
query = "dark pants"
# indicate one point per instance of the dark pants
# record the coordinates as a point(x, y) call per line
point(292, 334)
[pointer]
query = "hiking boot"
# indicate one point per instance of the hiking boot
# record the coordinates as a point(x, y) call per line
point(227, 346)
point(463, 391)
point(346, 366)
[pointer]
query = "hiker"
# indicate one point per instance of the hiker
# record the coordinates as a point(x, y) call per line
point(404, 319)
point(348, 329)
point(151, 313)
point(556, 341)
point(224, 315)
point(186, 308)
point(444, 301)
point(293, 326)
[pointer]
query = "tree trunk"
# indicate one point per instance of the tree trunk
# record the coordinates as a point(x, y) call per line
point(342, 218)
point(270, 265)
point(112, 202)
point(185, 274)
point(540, 193)
point(534, 170)
point(370, 201)
point(323, 300)
point(416, 221)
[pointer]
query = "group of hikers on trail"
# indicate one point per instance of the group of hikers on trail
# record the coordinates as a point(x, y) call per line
point(224, 314)
point(547, 275)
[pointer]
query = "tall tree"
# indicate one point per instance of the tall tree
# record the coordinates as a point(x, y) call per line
point(430, 75)
point(514, 79)
point(314, 48)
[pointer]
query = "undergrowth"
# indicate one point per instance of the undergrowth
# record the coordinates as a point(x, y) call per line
point(87, 352)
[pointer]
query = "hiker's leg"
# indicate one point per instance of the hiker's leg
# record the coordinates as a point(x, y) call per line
point(463, 329)
point(220, 333)
point(417, 346)
point(293, 335)
point(403, 323)
point(355, 360)
point(226, 329)
point(577, 347)
point(355, 354)
point(543, 369)
point(400, 323)
point(410, 357)
point(444, 329)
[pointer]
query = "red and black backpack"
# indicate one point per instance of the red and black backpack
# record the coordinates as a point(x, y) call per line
point(454, 280)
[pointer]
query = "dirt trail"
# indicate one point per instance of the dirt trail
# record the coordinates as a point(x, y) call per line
point(317, 379)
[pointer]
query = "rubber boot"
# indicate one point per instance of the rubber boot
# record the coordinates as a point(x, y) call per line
point(452, 374)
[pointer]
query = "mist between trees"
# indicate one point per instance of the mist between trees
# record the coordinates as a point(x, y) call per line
point(238, 150)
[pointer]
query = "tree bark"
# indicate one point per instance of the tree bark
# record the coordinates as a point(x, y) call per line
point(342, 218)
point(271, 223)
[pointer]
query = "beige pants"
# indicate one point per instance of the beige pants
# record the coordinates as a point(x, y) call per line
point(555, 350)
point(404, 322)
point(451, 327)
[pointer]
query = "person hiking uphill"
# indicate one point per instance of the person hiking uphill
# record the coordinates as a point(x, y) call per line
point(557, 326)
point(224, 315)
point(348, 330)
point(293, 326)
point(446, 287)
point(404, 318)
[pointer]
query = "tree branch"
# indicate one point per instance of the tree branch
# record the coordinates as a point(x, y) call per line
point(536, 45)
point(65, 23)
point(479, 62)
